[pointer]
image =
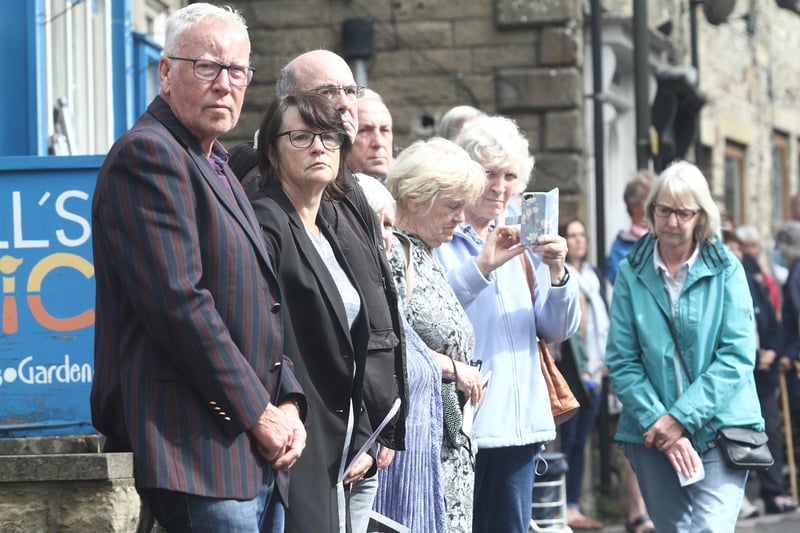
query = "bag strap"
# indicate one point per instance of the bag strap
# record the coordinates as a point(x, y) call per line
point(682, 360)
point(528, 268)
point(407, 246)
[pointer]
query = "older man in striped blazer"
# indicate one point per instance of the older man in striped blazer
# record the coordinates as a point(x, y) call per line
point(189, 366)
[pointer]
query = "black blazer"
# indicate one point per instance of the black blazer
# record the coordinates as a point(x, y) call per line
point(356, 225)
point(329, 358)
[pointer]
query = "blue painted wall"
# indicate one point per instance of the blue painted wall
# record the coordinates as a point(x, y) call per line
point(46, 295)
point(47, 284)
point(22, 113)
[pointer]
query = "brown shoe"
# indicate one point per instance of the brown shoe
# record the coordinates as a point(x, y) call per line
point(584, 522)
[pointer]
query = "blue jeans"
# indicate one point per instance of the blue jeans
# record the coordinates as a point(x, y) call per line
point(574, 434)
point(710, 505)
point(362, 496)
point(504, 488)
point(178, 512)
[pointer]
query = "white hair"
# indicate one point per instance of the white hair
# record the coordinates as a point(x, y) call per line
point(186, 17)
point(493, 141)
point(378, 196)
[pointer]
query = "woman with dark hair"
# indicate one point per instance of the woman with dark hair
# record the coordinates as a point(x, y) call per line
point(583, 358)
point(302, 146)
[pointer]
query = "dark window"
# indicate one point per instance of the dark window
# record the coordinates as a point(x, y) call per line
point(734, 181)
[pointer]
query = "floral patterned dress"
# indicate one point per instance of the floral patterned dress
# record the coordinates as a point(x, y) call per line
point(433, 311)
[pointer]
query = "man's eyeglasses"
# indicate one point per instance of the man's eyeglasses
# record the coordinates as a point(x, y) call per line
point(207, 70)
point(684, 215)
point(351, 92)
point(332, 140)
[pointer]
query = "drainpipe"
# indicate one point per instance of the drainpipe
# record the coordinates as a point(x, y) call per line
point(600, 213)
point(641, 74)
point(698, 143)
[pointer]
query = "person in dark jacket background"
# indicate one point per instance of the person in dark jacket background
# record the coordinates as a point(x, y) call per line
point(769, 343)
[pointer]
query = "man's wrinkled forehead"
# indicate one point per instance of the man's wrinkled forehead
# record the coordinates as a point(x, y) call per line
point(313, 75)
point(375, 111)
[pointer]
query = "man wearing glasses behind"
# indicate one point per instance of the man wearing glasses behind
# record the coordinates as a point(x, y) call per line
point(356, 225)
point(189, 367)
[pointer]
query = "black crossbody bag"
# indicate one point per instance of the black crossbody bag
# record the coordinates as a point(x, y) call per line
point(743, 448)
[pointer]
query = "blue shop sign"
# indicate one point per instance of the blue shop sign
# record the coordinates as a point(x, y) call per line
point(47, 290)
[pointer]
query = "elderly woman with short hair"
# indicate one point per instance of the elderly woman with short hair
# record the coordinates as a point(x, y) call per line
point(433, 181)
point(490, 273)
point(680, 354)
point(411, 491)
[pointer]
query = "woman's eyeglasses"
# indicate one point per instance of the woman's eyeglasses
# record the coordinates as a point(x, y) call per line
point(332, 140)
point(684, 215)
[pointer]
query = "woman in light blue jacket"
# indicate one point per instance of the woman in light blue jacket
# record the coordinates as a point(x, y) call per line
point(484, 267)
point(680, 355)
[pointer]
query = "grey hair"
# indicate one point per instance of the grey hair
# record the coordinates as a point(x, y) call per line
point(638, 188)
point(787, 241)
point(287, 81)
point(493, 141)
point(748, 234)
point(685, 184)
point(378, 196)
point(186, 17)
point(453, 121)
point(370, 94)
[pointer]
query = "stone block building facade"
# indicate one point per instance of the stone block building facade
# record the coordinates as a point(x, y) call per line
point(531, 60)
point(434, 54)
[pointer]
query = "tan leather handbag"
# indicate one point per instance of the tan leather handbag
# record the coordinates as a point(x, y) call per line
point(563, 403)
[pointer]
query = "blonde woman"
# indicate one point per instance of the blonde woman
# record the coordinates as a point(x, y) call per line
point(433, 181)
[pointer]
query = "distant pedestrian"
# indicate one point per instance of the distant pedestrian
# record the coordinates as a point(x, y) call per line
point(635, 195)
point(586, 351)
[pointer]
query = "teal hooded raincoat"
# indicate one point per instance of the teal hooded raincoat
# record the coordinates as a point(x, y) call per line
point(714, 324)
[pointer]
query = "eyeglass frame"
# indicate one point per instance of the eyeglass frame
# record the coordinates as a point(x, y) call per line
point(288, 133)
point(250, 71)
point(325, 89)
point(683, 215)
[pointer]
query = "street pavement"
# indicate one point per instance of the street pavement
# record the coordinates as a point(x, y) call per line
point(772, 523)
point(775, 523)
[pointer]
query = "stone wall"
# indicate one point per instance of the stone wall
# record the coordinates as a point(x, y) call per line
point(522, 59)
point(752, 82)
point(64, 485)
point(748, 71)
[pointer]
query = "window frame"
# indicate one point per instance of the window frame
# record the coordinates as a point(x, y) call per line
point(781, 197)
point(737, 153)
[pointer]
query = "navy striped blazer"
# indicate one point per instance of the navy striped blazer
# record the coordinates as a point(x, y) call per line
point(188, 336)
